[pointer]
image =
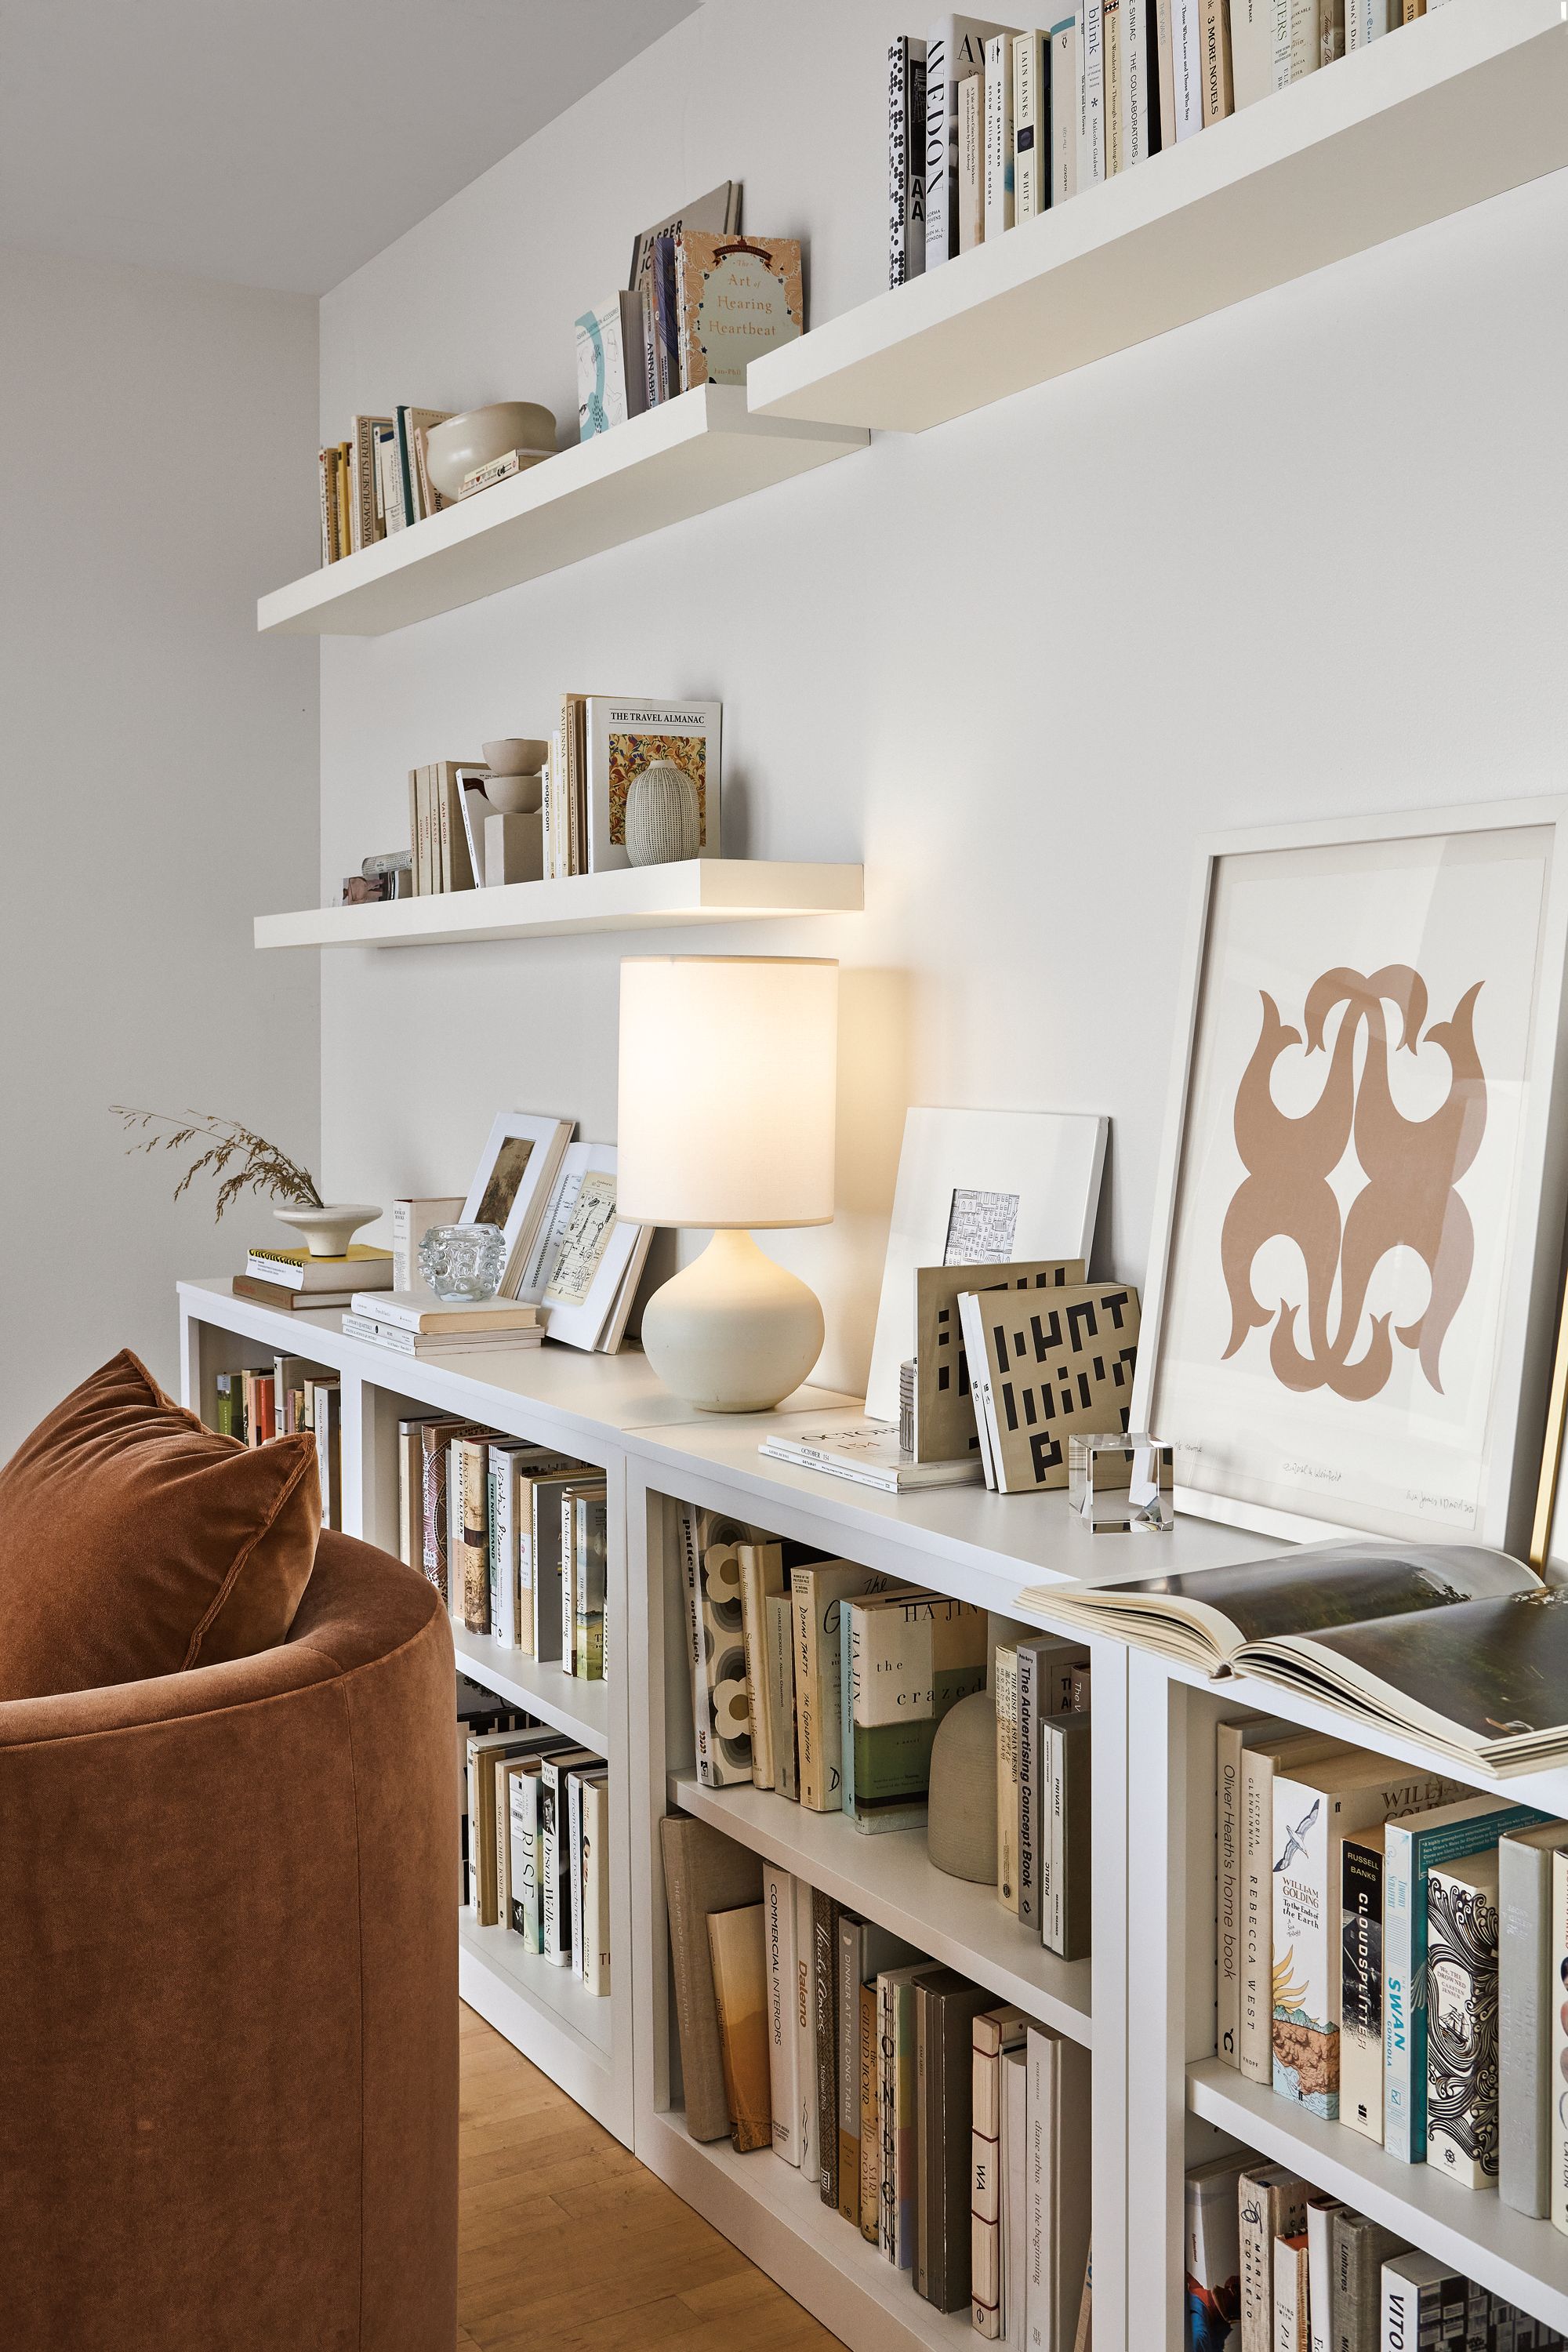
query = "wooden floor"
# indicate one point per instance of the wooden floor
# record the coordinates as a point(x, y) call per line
point(566, 2242)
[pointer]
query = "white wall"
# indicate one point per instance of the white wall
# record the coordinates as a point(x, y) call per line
point(158, 785)
point(1301, 558)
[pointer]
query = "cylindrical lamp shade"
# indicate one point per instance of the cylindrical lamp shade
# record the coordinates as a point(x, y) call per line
point(729, 1072)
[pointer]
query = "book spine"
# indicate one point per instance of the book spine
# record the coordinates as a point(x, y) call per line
point(1254, 2041)
point(1163, 78)
point(1038, 2331)
point(553, 1928)
point(888, 2117)
point(1303, 2031)
point(1257, 2232)
point(986, 2187)
point(1252, 49)
point(1399, 2124)
point(941, 150)
point(971, 161)
point(1461, 1980)
point(824, 1953)
point(906, 2125)
point(736, 1947)
point(850, 1671)
point(596, 1887)
point(779, 1907)
point(1007, 1677)
point(846, 1980)
point(1031, 125)
point(1361, 1989)
point(805, 2029)
point(1137, 63)
point(1558, 1978)
point(686, 1523)
point(1228, 1823)
point(519, 1859)
point(781, 1692)
point(1525, 2003)
point(1053, 1873)
point(1000, 185)
point(759, 1570)
point(1064, 111)
point(1091, 156)
point(1187, 46)
point(1320, 2211)
point(871, 2118)
point(1030, 1712)
point(1115, 18)
point(1217, 96)
point(575, 1870)
point(906, 160)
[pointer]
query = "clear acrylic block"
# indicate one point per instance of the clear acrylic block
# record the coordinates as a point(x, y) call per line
point(1121, 1483)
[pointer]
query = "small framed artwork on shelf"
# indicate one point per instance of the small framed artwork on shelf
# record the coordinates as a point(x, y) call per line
point(1354, 1283)
point(511, 1187)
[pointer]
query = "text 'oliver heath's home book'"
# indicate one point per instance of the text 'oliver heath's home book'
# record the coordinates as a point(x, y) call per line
point(1460, 1647)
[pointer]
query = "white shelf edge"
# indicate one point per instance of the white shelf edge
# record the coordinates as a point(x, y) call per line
point(1451, 110)
point(683, 458)
point(1524, 2261)
point(522, 1681)
point(812, 2252)
point(832, 1854)
point(645, 898)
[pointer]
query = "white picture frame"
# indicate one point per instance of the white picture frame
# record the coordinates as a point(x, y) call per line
point(513, 1182)
point(1047, 1164)
point(1467, 908)
point(577, 1311)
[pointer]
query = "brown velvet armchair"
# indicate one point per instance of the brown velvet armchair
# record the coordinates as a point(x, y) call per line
point(228, 2039)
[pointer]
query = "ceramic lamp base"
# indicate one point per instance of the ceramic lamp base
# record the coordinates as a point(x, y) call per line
point(734, 1331)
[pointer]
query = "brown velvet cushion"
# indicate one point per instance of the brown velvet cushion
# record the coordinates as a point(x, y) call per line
point(134, 1541)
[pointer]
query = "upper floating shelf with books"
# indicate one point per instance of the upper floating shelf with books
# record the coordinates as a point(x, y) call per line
point(635, 898)
point(699, 451)
point(1452, 109)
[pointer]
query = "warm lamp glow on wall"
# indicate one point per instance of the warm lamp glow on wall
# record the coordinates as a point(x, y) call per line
point(729, 1074)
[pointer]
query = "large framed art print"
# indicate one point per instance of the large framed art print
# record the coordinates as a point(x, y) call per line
point(1358, 1239)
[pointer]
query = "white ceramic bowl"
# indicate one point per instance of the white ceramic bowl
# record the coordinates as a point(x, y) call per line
point(327, 1233)
point(481, 435)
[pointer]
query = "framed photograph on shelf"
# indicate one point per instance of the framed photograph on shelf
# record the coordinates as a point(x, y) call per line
point(512, 1184)
point(1354, 1289)
point(979, 1188)
point(586, 1260)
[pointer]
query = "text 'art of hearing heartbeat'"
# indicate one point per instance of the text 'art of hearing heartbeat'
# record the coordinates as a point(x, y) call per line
point(1408, 1170)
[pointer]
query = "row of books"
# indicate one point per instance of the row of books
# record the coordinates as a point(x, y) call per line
point(512, 1536)
point(296, 1394)
point(826, 1682)
point(535, 1840)
point(702, 302)
point(1391, 1952)
point(377, 482)
point(951, 2130)
point(989, 125)
point(1271, 2266)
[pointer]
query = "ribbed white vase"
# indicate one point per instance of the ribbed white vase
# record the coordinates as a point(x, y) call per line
point(663, 821)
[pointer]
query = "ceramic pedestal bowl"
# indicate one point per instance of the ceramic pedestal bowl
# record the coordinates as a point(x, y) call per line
point(480, 435)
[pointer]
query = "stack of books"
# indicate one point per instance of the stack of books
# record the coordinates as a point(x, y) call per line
point(602, 742)
point(512, 1536)
point(1285, 2267)
point(950, 2131)
point(295, 1280)
point(989, 125)
point(417, 1323)
point(376, 481)
point(535, 1842)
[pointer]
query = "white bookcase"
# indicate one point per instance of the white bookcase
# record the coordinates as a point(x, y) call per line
point(1143, 2004)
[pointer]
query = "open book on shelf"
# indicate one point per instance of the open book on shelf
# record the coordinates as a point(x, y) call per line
point(1462, 1648)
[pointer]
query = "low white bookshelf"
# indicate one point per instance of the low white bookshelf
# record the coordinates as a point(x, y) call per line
point(1460, 106)
point(692, 891)
point(1143, 2003)
point(699, 451)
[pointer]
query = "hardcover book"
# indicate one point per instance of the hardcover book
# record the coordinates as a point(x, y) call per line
point(994, 2033)
point(762, 1578)
point(824, 2006)
point(1462, 2018)
point(1048, 1371)
point(956, 48)
point(611, 384)
point(863, 1951)
point(1007, 1691)
point(1292, 2294)
point(737, 296)
point(1000, 195)
point(1065, 83)
point(1410, 1849)
point(1031, 128)
point(819, 1592)
point(720, 1703)
point(778, 1905)
point(1527, 2001)
point(944, 1414)
point(1314, 1809)
point(703, 1871)
point(906, 160)
point(896, 2098)
point(623, 735)
point(718, 212)
point(1358, 2249)
point(1214, 2255)
point(1048, 1669)
point(1360, 1983)
point(945, 2007)
point(870, 2206)
point(1067, 1817)
point(805, 2015)
point(596, 1955)
point(1271, 2203)
point(1424, 2304)
point(1056, 2289)
point(737, 1944)
point(912, 1657)
point(779, 1615)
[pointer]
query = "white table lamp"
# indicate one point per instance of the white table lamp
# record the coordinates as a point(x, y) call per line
point(729, 1072)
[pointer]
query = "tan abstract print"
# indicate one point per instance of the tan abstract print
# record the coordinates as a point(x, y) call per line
point(1407, 1170)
